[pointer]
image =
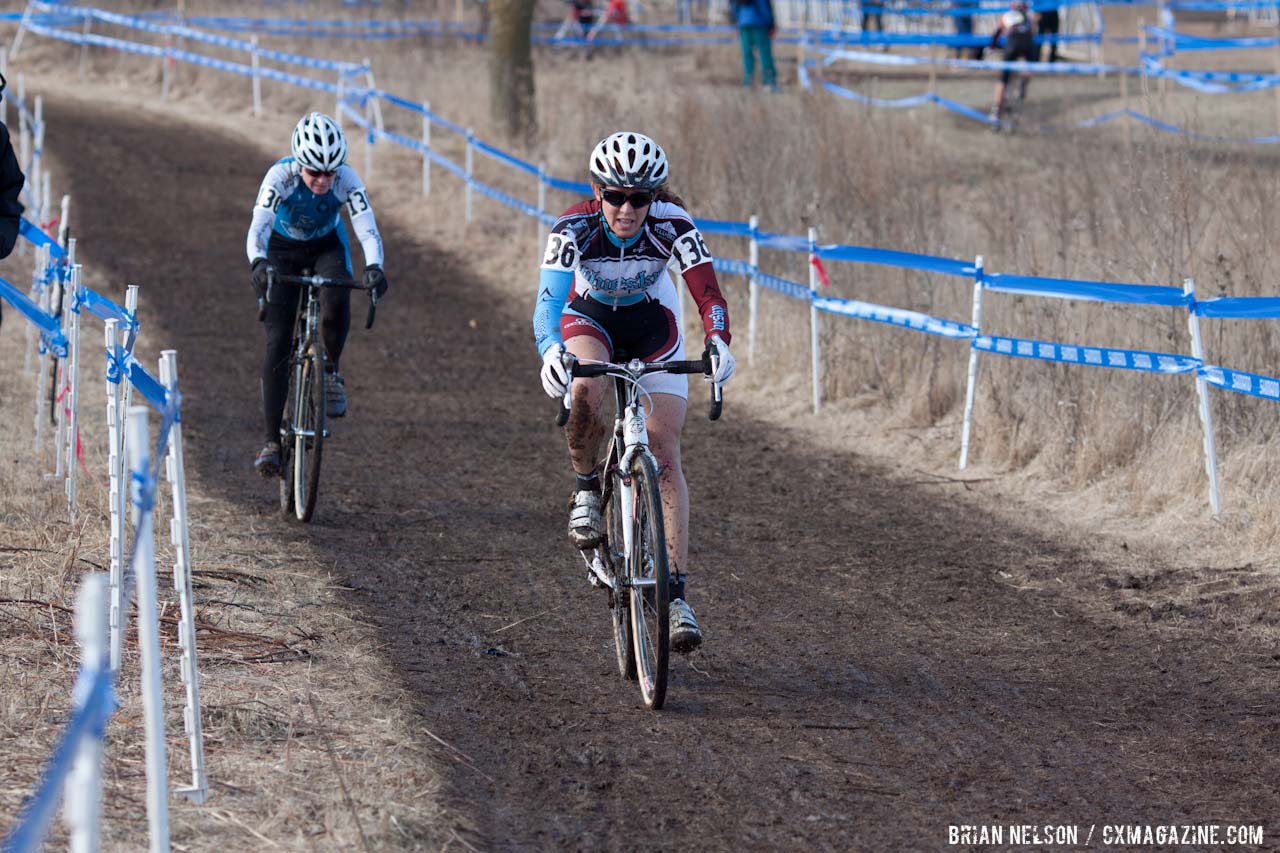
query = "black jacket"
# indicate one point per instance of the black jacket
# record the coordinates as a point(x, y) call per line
point(11, 181)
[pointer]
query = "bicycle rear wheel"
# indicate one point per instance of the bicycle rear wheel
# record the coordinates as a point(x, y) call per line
point(308, 438)
point(619, 600)
point(646, 583)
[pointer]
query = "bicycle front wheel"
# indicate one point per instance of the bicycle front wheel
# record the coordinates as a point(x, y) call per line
point(308, 438)
point(619, 600)
point(646, 582)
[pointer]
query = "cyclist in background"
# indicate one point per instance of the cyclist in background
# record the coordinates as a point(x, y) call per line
point(297, 225)
point(1019, 30)
point(607, 258)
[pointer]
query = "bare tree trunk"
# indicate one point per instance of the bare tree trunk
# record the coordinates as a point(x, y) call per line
point(511, 102)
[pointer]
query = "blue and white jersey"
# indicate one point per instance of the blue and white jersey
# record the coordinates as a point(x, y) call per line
point(286, 206)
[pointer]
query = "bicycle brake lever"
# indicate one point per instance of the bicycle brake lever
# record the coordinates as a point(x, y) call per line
point(562, 416)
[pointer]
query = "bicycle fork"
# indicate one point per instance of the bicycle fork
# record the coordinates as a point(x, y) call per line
point(635, 439)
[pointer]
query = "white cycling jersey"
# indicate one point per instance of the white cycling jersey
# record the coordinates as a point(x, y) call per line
point(286, 206)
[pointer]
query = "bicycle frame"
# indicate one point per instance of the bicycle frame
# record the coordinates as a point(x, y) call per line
point(306, 328)
point(303, 429)
point(631, 434)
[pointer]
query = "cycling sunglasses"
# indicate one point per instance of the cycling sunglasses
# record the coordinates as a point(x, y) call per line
point(312, 173)
point(617, 198)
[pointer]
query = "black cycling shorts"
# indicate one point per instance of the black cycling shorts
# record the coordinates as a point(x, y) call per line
point(647, 330)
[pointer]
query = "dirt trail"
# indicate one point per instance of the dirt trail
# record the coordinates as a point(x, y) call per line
point(870, 674)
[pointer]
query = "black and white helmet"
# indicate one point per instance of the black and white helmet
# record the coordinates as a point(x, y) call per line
point(628, 159)
point(319, 144)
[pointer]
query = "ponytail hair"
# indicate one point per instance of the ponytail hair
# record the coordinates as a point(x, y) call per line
point(664, 194)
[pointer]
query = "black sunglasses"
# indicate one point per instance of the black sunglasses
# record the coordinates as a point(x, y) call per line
point(618, 198)
point(315, 173)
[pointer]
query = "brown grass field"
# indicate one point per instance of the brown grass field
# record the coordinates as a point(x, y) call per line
point(1060, 634)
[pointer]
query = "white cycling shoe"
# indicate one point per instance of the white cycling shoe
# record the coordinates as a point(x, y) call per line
point(685, 633)
point(586, 521)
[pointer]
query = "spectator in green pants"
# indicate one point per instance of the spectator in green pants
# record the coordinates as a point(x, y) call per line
point(754, 19)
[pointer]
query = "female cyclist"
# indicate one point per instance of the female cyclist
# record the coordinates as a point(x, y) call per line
point(297, 225)
point(607, 258)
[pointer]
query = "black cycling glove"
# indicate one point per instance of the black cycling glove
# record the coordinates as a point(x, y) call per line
point(261, 269)
point(375, 280)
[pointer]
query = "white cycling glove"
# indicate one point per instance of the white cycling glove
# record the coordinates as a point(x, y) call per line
point(555, 376)
point(724, 364)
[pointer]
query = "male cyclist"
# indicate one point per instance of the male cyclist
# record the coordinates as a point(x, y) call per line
point(297, 225)
point(607, 258)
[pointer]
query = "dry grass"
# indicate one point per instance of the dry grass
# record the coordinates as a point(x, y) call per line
point(1074, 204)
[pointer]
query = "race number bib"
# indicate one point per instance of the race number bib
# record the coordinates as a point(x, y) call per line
point(690, 249)
point(269, 198)
point(357, 203)
point(561, 253)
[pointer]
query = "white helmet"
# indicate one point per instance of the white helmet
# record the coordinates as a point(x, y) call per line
point(628, 159)
point(319, 144)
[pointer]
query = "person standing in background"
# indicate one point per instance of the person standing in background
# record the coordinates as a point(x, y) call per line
point(11, 181)
point(754, 20)
point(1047, 24)
point(873, 18)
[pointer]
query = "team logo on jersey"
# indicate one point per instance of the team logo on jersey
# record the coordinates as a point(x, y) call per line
point(719, 320)
point(666, 229)
point(640, 281)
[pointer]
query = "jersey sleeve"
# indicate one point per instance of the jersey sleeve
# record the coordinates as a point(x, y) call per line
point(694, 261)
point(352, 192)
point(555, 281)
point(270, 194)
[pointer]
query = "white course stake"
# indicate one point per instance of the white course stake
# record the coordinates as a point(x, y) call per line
point(257, 80)
point(369, 137)
point(73, 395)
point(84, 46)
point(24, 140)
point(115, 489)
point(46, 193)
point(815, 346)
point(34, 177)
point(64, 221)
point(59, 372)
point(753, 290)
point(178, 535)
point(148, 633)
point(470, 170)
point(39, 295)
point(83, 786)
point(1202, 391)
point(43, 369)
point(970, 390)
point(426, 148)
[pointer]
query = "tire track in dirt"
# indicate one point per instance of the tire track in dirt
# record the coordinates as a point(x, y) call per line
point(868, 678)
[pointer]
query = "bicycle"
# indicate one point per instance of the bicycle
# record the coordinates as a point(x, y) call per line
point(631, 561)
point(1010, 112)
point(302, 429)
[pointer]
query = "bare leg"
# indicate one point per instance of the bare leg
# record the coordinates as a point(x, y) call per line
point(666, 422)
point(587, 423)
